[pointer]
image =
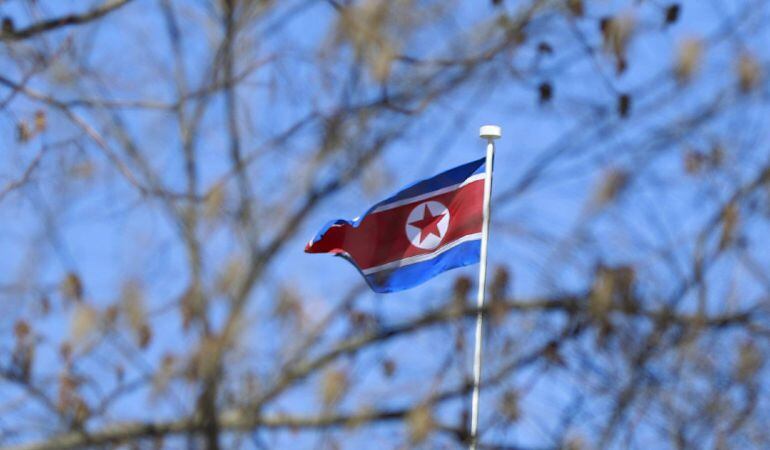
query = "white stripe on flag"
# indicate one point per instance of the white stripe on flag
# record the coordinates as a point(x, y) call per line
point(406, 201)
point(425, 257)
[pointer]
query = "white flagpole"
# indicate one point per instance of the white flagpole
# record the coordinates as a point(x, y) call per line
point(490, 133)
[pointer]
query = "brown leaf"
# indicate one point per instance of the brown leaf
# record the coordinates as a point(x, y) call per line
point(388, 368)
point(545, 91)
point(420, 424)
point(229, 279)
point(8, 26)
point(616, 33)
point(498, 289)
point(576, 7)
point(21, 329)
point(144, 336)
point(23, 133)
point(688, 59)
point(614, 183)
point(164, 374)
point(510, 405)
point(749, 72)
point(71, 287)
point(191, 306)
point(288, 305)
point(40, 121)
point(213, 205)
point(624, 105)
point(750, 361)
point(333, 387)
point(672, 13)
point(84, 322)
point(730, 216)
point(460, 291)
point(693, 161)
point(132, 303)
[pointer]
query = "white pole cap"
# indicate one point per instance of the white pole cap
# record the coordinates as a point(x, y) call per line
point(490, 132)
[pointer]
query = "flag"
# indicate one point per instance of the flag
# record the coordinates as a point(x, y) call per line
point(427, 228)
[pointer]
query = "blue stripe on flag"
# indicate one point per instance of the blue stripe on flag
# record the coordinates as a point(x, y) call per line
point(411, 275)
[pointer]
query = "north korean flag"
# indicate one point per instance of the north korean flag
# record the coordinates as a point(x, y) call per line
point(427, 228)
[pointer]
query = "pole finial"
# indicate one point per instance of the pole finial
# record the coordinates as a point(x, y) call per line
point(490, 132)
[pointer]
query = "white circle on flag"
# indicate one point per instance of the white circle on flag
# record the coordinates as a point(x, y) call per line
point(427, 224)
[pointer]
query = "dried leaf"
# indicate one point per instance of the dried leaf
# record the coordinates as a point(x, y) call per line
point(230, 277)
point(750, 362)
point(388, 368)
point(749, 72)
point(21, 329)
point(23, 352)
point(132, 305)
point(8, 26)
point(510, 405)
point(144, 336)
point(616, 33)
point(688, 59)
point(624, 105)
point(545, 92)
point(40, 121)
point(420, 424)
point(85, 321)
point(289, 304)
point(730, 218)
point(83, 170)
point(164, 374)
point(213, 205)
point(672, 13)
point(498, 289)
point(693, 161)
point(614, 183)
point(23, 133)
point(71, 287)
point(65, 351)
point(460, 291)
point(192, 305)
point(576, 7)
point(333, 387)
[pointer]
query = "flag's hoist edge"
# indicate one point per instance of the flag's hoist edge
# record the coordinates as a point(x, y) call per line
point(409, 272)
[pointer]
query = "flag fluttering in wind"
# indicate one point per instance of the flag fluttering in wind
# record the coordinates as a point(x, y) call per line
point(427, 228)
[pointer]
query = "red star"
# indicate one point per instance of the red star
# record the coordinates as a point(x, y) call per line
point(428, 224)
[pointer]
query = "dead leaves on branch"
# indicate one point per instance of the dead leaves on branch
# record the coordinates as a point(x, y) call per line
point(334, 385)
point(510, 406)
point(613, 184)
point(132, 302)
point(749, 72)
point(23, 354)
point(688, 61)
point(730, 219)
point(750, 362)
point(71, 287)
point(377, 30)
point(616, 37)
point(70, 401)
point(420, 424)
point(26, 131)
